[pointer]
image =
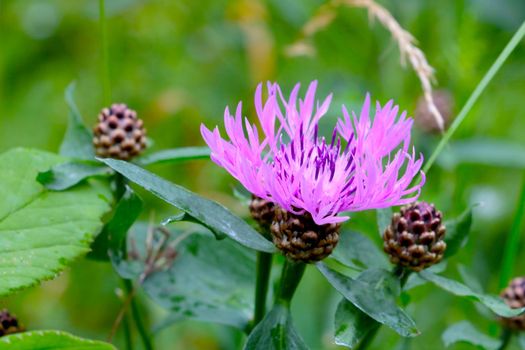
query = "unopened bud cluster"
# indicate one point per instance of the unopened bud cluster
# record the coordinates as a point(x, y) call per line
point(415, 237)
point(514, 297)
point(9, 324)
point(119, 133)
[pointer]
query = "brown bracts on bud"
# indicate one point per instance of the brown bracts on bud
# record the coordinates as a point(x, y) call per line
point(514, 297)
point(9, 324)
point(262, 211)
point(299, 238)
point(119, 133)
point(415, 237)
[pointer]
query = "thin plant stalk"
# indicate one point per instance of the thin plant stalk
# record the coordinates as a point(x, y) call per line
point(135, 312)
point(264, 268)
point(506, 337)
point(511, 251)
point(106, 86)
point(514, 41)
point(290, 278)
point(127, 332)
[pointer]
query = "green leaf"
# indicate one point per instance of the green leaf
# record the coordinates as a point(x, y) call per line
point(521, 340)
point(498, 153)
point(45, 340)
point(374, 292)
point(464, 332)
point(357, 251)
point(275, 332)
point(209, 280)
point(113, 236)
point(352, 325)
point(175, 155)
point(78, 140)
point(66, 175)
point(384, 217)
point(493, 302)
point(210, 214)
point(41, 232)
point(457, 232)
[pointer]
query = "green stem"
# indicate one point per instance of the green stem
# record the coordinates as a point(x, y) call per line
point(520, 33)
point(291, 276)
point(402, 274)
point(106, 86)
point(513, 241)
point(264, 268)
point(506, 337)
point(148, 345)
point(127, 332)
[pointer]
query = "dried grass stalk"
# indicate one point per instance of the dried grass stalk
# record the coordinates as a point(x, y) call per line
point(405, 41)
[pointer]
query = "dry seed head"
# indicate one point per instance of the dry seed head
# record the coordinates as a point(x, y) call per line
point(9, 323)
point(444, 103)
point(299, 238)
point(415, 237)
point(119, 133)
point(514, 297)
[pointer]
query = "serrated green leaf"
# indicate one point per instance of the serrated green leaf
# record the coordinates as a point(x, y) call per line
point(113, 236)
point(465, 332)
point(374, 292)
point(457, 232)
point(209, 280)
point(357, 251)
point(41, 232)
point(175, 155)
point(66, 175)
point(78, 140)
point(208, 213)
point(352, 325)
point(493, 302)
point(275, 332)
point(384, 217)
point(46, 340)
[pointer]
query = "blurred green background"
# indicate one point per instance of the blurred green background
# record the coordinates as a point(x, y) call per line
point(179, 63)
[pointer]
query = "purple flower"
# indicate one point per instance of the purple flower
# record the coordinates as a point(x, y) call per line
point(367, 163)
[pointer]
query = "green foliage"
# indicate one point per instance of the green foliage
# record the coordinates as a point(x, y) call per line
point(208, 213)
point(175, 155)
point(357, 251)
point(457, 233)
point(45, 340)
point(384, 216)
point(493, 302)
point(374, 292)
point(42, 232)
point(465, 332)
point(209, 280)
point(275, 332)
point(77, 142)
point(66, 175)
point(352, 325)
point(112, 239)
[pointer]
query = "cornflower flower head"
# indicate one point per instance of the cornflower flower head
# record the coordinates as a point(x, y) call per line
point(367, 162)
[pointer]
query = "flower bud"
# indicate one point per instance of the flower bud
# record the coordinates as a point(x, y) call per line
point(299, 238)
point(119, 133)
point(415, 237)
point(262, 211)
point(424, 119)
point(514, 297)
point(9, 323)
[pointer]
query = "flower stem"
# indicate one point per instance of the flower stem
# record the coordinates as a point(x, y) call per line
point(127, 333)
point(264, 268)
point(506, 337)
point(148, 345)
point(513, 241)
point(291, 276)
point(106, 86)
point(514, 41)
